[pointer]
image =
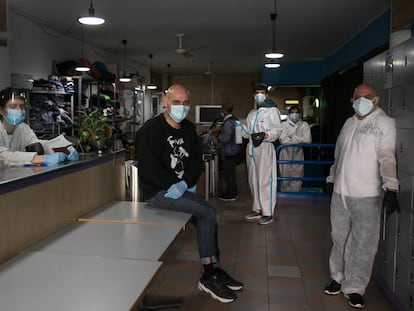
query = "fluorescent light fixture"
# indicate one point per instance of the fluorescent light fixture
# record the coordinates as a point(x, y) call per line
point(91, 19)
point(124, 79)
point(151, 87)
point(81, 68)
point(274, 55)
point(272, 65)
point(291, 101)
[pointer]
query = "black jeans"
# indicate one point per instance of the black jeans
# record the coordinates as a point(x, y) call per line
point(229, 172)
point(204, 218)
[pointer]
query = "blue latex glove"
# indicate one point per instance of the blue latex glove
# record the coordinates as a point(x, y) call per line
point(193, 189)
point(176, 190)
point(54, 158)
point(73, 155)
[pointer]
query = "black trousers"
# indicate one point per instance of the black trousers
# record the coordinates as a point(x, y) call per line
point(229, 175)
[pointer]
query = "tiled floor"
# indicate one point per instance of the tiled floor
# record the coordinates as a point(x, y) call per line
point(284, 265)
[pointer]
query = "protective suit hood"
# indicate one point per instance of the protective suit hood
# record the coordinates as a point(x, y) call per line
point(268, 103)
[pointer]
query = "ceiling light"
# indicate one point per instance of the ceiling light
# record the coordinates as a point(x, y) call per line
point(151, 86)
point(81, 66)
point(272, 65)
point(273, 53)
point(124, 78)
point(91, 19)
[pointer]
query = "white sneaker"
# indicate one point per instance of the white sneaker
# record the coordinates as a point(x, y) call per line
point(253, 215)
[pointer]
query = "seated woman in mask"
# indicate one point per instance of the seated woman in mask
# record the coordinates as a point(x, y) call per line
point(15, 135)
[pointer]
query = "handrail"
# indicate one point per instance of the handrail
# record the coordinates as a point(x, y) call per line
point(304, 162)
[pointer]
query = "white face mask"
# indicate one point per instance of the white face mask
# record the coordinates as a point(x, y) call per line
point(179, 112)
point(362, 106)
point(294, 116)
point(259, 98)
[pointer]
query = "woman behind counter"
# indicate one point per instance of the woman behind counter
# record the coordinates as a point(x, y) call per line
point(15, 135)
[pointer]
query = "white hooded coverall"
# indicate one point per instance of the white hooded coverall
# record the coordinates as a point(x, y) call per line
point(261, 160)
point(293, 133)
point(364, 166)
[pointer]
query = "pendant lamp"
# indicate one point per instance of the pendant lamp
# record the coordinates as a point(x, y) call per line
point(124, 78)
point(274, 54)
point(91, 19)
point(82, 67)
point(151, 86)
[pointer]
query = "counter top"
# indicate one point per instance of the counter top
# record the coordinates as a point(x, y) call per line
point(13, 178)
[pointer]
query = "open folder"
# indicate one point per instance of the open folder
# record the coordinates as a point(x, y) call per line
point(58, 144)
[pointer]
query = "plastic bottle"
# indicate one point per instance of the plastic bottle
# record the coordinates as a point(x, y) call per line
point(238, 133)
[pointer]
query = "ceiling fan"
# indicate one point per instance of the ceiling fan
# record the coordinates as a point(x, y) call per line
point(180, 49)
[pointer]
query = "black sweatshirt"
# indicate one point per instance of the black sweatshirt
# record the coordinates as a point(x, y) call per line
point(166, 155)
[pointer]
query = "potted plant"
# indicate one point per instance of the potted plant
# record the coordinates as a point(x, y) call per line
point(95, 132)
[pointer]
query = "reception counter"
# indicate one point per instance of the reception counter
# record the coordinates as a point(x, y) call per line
point(37, 201)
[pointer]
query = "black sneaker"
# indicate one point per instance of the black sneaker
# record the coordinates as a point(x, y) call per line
point(216, 288)
point(265, 220)
point(355, 300)
point(333, 289)
point(227, 198)
point(228, 280)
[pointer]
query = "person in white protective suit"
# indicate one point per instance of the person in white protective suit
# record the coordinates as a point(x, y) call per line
point(294, 131)
point(263, 127)
point(19, 145)
point(362, 180)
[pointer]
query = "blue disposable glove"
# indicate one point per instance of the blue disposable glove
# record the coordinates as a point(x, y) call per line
point(193, 189)
point(73, 155)
point(176, 190)
point(54, 158)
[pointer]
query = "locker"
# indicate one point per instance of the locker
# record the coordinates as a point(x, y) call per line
point(385, 258)
point(395, 258)
point(377, 75)
point(396, 96)
point(405, 229)
point(402, 106)
point(369, 72)
point(384, 97)
point(409, 69)
point(398, 64)
point(402, 280)
point(405, 150)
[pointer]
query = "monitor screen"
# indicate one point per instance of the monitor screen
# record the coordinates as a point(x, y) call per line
point(207, 114)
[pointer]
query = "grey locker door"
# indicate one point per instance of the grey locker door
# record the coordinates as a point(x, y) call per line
point(404, 108)
point(405, 150)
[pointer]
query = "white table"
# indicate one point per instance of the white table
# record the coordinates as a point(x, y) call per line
point(128, 241)
point(42, 281)
point(127, 212)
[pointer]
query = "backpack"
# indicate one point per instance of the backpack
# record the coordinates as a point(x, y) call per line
point(231, 148)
